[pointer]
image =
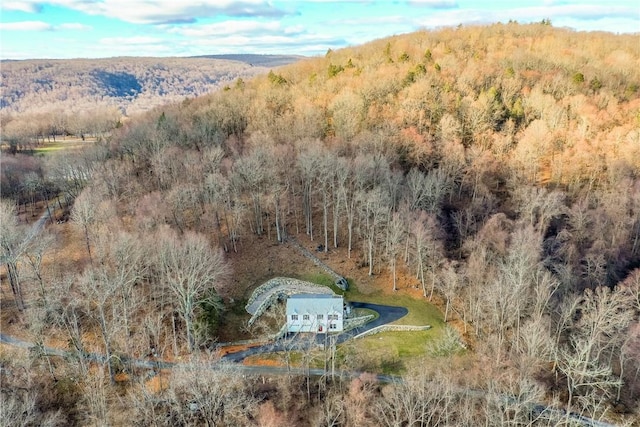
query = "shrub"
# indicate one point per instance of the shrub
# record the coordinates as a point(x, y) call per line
point(334, 70)
point(595, 84)
point(276, 79)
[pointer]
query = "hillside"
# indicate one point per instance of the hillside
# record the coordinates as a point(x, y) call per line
point(35, 89)
point(491, 170)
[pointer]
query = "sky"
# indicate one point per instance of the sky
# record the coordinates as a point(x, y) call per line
point(107, 28)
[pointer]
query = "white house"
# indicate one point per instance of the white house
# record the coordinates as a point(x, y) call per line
point(320, 313)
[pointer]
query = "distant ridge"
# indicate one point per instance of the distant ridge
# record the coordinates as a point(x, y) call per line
point(258, 60)
point(129, 84)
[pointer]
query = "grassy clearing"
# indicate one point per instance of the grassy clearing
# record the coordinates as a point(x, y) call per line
point(321, 279)
point(421, 312)
point(387, 352)
point(60, 145)
point(49, 147)
point(393, 352)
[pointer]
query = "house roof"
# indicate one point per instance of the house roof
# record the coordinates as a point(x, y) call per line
point(314, 304)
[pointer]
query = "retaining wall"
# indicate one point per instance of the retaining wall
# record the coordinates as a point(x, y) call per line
point(389, 328)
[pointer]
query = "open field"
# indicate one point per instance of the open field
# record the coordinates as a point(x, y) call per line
point(71, 143)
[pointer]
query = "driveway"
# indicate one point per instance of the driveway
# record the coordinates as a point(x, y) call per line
point(298, 342)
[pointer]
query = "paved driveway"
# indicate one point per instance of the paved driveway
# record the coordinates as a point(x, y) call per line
point(295, 342)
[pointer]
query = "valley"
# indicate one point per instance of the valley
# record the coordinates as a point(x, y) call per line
point(484, 178)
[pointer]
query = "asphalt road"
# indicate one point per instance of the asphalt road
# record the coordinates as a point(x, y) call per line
point(536, 409)
point(161, 364)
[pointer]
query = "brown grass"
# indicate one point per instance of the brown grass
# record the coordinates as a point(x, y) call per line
point(158, 383)
point(262, 361)
point(235, 348)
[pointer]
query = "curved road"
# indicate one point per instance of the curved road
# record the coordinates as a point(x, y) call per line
point(161, 364)
point(386, 313)
point(536, 409)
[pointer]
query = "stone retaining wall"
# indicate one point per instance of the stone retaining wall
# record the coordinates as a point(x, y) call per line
point(339, 280)
point(389, 328)
point(356, 322)
point(285, 282)
point(277, 288)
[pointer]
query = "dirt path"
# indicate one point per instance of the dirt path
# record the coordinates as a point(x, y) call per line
point(161, 364)
point(536, 409)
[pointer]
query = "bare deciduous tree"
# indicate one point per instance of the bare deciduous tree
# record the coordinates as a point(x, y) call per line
point(99, 294)
point(190, 269)
point(374, 209)
point(84, 215)
point(34, 254)
point(12, 239)
point(210, 394)
point(597, 335)
point(394, 238)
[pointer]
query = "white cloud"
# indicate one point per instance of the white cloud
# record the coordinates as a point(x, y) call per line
point(170, 11)
point(40, 26)
point(434, 4)
point(343, 1)
point(25, 26)
point(130, 41)
point(21, 6)
point(135, 46)
point(74, 26)
point(249, 28)
point(373, 20)
point(580, 16)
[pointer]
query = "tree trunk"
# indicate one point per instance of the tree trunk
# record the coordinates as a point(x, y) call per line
point(86, 238)
point(370, 242)
point(325, 219)
point(14, 280)
point(350, 232)
point(107, 345)
point(393, 270)
point(277, 208)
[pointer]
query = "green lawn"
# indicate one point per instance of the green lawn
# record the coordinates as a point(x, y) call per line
point(421, 312)
point(387, 352)
point(321, 279)
point(59, 145)
point(393, 352)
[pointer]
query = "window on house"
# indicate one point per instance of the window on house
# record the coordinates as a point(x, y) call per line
point(333, 326)
point(294, 317)
point(333, 317)
point(320, 316)
point(305, 317)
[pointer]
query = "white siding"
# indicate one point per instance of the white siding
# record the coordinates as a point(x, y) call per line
point(314, 313)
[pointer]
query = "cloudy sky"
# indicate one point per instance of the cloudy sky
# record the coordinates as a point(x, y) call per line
point(104, 28)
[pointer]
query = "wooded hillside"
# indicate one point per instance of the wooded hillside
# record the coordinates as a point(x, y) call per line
point(495, 169)
point(75, 95)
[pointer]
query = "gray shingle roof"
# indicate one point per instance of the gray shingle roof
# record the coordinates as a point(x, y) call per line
point(314, 304)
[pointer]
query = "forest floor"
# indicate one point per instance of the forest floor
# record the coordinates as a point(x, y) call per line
point(260, 258)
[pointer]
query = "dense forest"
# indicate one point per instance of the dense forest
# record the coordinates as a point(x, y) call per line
point(495, 168)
